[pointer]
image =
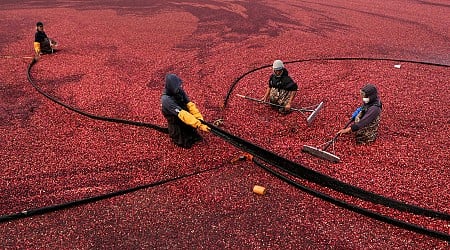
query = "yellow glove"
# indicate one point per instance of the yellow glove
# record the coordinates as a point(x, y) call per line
point(37, 48)
point(204, 128)
point(190, 120)
point(192, 108)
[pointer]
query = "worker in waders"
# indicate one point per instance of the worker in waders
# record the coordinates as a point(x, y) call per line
point(42, 44)
point(282, 89)
point(367, 117)
point(183, 116)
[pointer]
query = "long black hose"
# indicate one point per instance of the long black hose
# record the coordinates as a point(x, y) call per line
point(303, 172)
point(318, 178)
point(356, 209)
point(48, 209)
point(233, 85)
point(92, 116)
point(283, 164)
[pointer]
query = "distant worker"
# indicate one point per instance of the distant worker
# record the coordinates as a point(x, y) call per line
point(282, 89)
point(42, 44)
point(182, 115)
point(367, 117)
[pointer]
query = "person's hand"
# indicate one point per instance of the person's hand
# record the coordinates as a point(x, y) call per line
point(287, 107)
point(204, 128)
point(37, 56)
point(53, 43)
point(344, 131)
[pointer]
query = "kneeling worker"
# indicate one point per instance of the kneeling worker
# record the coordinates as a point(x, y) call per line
point(182, 115)
point(367, 117)
point(42, 44)
point(282, 89)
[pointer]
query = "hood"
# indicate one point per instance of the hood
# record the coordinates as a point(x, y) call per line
point(370, 91)
point(173, 84)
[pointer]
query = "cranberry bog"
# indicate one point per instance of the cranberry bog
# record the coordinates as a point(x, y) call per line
point(111, 62)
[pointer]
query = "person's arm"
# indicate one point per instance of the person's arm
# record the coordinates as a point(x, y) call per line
point(37, 49)
point(192, 108)
point(367, 118)
point(266, 95)
point(190, 120)
point(291, 97)
point(292, 87)
point(171, 107)
point(344, 131)
point(37, 44)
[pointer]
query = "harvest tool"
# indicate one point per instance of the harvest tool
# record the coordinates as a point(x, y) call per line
point(309, 119)
point(322, 153)
point(11, 56)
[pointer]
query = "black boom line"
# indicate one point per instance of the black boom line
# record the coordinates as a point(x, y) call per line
point(271, 158)
point(90, 115)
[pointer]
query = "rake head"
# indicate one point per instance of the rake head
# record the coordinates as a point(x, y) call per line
point(320, 153)
point(313, 115)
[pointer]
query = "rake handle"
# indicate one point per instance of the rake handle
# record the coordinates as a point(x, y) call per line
point(273, 104)
point(336, 136)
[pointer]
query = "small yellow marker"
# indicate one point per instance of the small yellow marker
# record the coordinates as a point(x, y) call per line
point(259, 190)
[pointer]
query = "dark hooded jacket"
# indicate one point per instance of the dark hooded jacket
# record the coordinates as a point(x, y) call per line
point(283, 82)
point(371, 110)
point(173, 100)
point(44, 42)
point(40, 36)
